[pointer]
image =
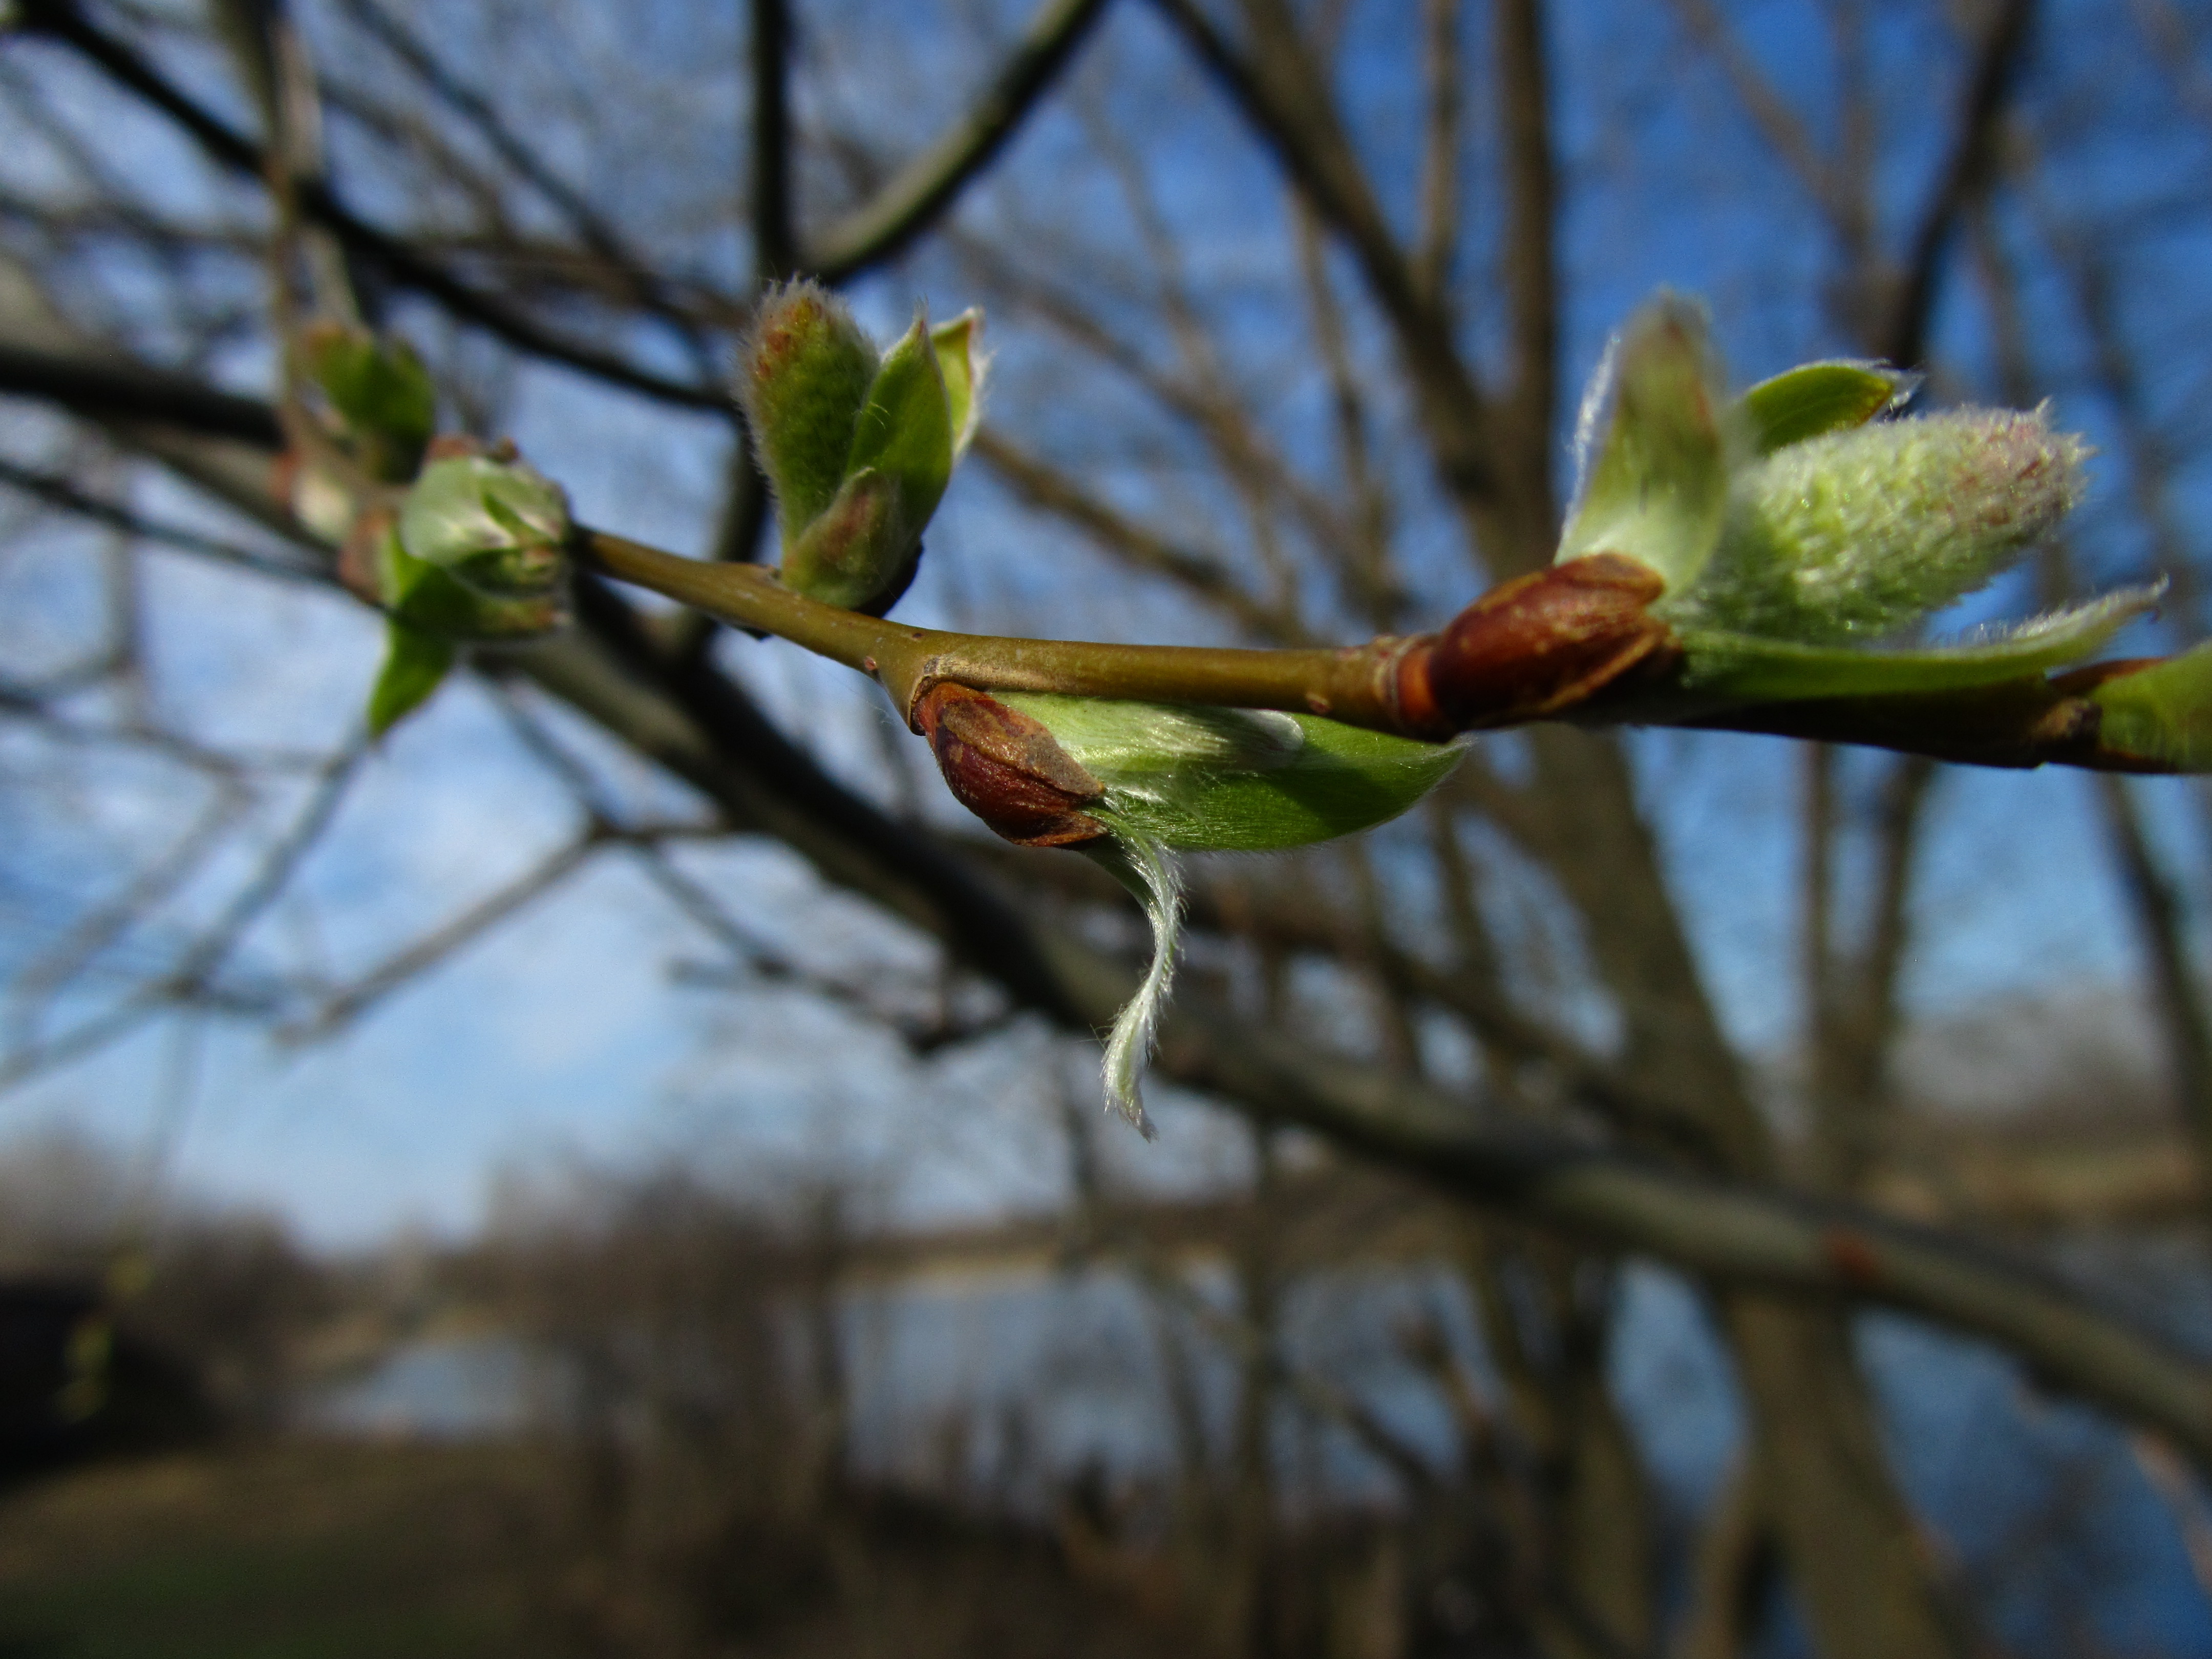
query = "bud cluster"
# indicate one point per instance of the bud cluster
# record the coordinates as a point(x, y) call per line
point(857, 448)
point(1783, 535)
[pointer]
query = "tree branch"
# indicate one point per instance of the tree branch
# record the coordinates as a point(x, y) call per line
point(61, 20)
point(922, 191)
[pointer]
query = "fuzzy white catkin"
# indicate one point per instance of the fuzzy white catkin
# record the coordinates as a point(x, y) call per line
point(1856, 534)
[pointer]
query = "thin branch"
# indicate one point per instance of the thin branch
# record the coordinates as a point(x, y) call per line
point(108, 390)
point(1289, 107)
point(591, 227)
point(926, 186)
point(775, 243)
point(62, 21)
point(192, 978)
point(343, 1007)
point(62, 495)
point(1972, 166)
point(1438, 246)
point(1769, 111)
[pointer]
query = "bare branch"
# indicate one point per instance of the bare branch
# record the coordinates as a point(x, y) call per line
point(927, 186)
point(62, 21)
point(1903, 336)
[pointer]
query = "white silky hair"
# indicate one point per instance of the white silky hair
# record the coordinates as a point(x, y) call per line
point(1151, 872)
point(1597, 402)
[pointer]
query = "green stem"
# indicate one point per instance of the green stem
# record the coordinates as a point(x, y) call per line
point(1350, 684)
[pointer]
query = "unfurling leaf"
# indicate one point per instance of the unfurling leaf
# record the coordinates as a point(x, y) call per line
point(1748, 668)
point(1235, 779)
point(414, 665)
point(961, 361)
point(1816, 398)
point(1652, 451)
point(1129, 784)
point(385, 406)
point(900, 462)
point(857, 450)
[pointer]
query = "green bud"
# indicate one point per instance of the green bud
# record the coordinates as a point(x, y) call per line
point(379, 393)
point(499, 526)
point(803, 373)
point(431, 600)
point(1855, 534)
point(860, 553)
point(1235, 779)
point(1654, 483)
point(1815, 399)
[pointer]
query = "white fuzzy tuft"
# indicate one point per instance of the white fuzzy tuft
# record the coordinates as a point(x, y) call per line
point(1150, 871)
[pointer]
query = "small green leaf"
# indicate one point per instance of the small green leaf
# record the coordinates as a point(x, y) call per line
point(414, 665)
point(1746, 668)
point(381, 392)
point(1655, 489)
point(1236, 779)
point(2164, 713)
point(1816, 398)
point(962, 364)
point(905, 428)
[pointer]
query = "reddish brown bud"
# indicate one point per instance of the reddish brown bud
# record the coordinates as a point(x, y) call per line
point(1007, 769)
point(1536, 646)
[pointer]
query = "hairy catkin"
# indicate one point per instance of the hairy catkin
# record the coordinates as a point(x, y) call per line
point(1856, 534)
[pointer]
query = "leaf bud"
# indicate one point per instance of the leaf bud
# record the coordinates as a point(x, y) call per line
point(499, 526)
point(860, 553)
point(431, 600)
point(1006, 767)
point(1536, 646)
point(803, 373)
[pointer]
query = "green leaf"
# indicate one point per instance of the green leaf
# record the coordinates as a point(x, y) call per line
point(1748, 668)
point(2164, 713)
point(1655, 488)
point(1236, 779)
point(382, 392)
point(961, 363)
point(905, 428)
point(414, 665)
point(1816, 398)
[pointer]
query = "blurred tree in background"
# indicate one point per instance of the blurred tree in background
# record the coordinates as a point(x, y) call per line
point(1287, 301)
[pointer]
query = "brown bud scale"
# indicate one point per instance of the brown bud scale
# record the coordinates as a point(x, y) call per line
point(1535, 647)
point(1007, 769)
